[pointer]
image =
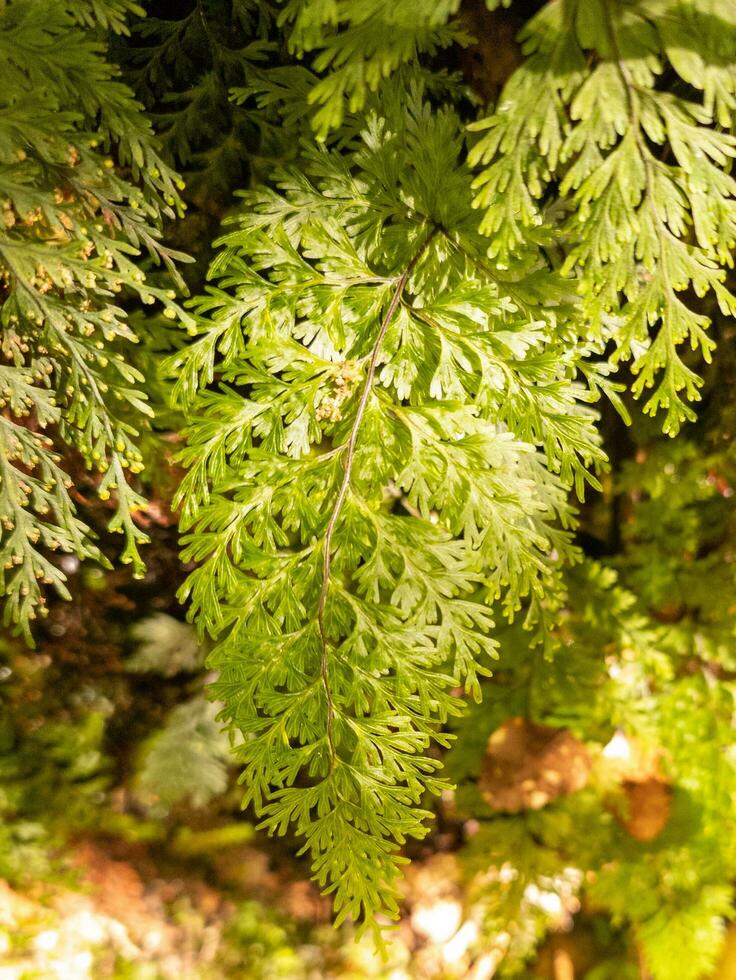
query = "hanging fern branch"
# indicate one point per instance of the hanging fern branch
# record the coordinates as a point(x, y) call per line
point(363, 356)
point(71, 231)
point(632, 162)
point(358, 46)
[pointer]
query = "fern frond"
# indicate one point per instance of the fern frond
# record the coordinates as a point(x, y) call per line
point(358, 46)
point(632, 161)
point(383, 438)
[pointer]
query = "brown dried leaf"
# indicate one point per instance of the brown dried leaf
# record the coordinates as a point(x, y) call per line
point(648, 807)
point(643, 807)
point(526, 765)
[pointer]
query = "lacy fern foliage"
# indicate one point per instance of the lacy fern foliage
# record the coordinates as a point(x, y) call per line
point(635, 175)
point(387, 451)
point(358, 46)
point(389, 403)
point(71, 233)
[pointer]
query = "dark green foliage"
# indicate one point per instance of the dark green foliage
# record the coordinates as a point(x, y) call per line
point(184, 69)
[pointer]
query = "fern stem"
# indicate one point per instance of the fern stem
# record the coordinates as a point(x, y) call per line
point(349, 447)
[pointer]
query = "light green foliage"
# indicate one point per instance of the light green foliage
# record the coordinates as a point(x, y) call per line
point(633, 173)
point(71, 232)
point(684, 508)
point(411, 427)
point(646, 664)
point(678, 891)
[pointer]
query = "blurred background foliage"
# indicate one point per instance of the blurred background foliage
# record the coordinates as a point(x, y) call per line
point(591, 831)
